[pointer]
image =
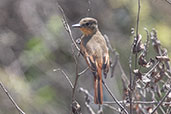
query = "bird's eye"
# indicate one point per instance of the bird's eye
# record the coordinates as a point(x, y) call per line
point(87, 24)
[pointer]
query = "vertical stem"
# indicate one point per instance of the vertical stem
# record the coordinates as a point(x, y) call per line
point(130, 73)
point(136, 58)
point(137, 27)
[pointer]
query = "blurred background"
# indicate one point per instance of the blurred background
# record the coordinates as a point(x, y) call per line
point(33, 42)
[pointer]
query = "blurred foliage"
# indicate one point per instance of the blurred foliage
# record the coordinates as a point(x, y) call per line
point(44, 95)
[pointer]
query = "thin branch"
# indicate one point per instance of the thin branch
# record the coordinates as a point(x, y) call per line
point(76, 73)
point(66, 76)
point(114, 98)
point(77, 76)
point(138, 16)
point(113, 65)
point(91, 97)
point(67, 27)
point(137, 36)
point(139, 102)
point(111, 107)
point(117, 58)
point(130, 80)
point(161, 101)
point(89, 108)
point(11, 99)
point(168, 1)
point(87, 100)
point(82, 72)
point(146, 74)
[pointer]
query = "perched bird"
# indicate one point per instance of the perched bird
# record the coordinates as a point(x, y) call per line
point(95, 51)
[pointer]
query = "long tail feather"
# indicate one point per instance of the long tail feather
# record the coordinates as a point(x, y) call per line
point(98, 90)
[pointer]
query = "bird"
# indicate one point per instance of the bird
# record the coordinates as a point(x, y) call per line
point(94, 49)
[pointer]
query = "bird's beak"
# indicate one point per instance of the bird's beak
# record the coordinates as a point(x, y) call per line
point(76, 26)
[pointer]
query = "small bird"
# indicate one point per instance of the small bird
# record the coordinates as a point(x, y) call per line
point(94, 48)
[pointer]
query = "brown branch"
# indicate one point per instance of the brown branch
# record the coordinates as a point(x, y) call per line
point(11, 99)
point(82, 72)
point(161, 101)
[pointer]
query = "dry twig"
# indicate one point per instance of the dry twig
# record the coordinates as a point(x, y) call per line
point(66, 76)
point(114, 98)
point(11, 99)
point(161, 101)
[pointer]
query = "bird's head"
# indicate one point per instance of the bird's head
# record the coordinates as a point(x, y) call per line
point(87, 25)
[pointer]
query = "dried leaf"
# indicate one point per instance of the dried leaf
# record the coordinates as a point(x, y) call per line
point(162, 58)
point(138, 74)
point(138, 45)
point(142, 61)
point(76, 108)
point(149, 109)
point(145, 79)
point(150, 63)
point(159, 76)
point(169, 96)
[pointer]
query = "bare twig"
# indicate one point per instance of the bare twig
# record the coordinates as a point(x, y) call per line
point(89, 108)
point(130, 80)
point(66, 76)
point(67, 27)
point(136, 58)
point(87, 100)
point(77, 76)
point(139, 102)
point(82, 72)
point(114, 98)
point(138, 16)
point(168, 1)
point(113, 65)
point(147, 42)
point(88, 95)
point(11, 99)
point(111, 107)
point(116, 59)
point(161, 101)
point(146, 74)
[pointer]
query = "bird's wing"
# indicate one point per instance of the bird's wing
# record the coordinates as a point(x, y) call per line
point(105, 65)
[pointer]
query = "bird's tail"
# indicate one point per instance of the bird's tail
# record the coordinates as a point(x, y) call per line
point(98, 90)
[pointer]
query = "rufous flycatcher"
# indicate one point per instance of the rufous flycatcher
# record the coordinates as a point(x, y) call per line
point(94, 48)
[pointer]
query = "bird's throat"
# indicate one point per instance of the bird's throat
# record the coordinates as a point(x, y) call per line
point(86, 31)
